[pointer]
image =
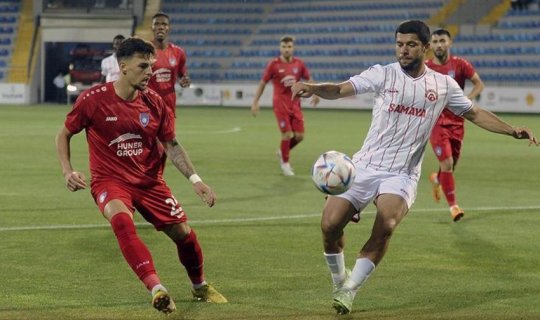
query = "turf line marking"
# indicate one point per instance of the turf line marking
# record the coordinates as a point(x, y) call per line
point(181, 132)
point(232, 130)
point(237, 220)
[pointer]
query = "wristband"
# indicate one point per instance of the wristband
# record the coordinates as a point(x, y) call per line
point(194, 178)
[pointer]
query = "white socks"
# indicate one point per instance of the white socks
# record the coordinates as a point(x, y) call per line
point(336, 265)
point(361, 271)
point(199, 285)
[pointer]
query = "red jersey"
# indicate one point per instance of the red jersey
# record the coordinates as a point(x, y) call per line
point(123, 135)
point(459, 69)
point(283, 76)
point(169, 66)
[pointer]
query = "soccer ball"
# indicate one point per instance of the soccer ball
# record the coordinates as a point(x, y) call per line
point(333, 172)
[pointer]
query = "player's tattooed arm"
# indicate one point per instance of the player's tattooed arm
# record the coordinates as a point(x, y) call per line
point(181, 161)
point(179, 157)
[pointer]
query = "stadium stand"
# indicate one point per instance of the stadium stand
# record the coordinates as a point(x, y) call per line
point(9, 12)
point(233, 40)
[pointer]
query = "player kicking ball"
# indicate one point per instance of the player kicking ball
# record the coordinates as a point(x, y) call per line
point(409, 99)
point(128, 129)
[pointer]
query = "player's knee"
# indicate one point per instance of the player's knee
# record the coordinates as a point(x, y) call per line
point(328, 227)
point(385, 229)
point(298, 137)
point(447, 165)
point(288, 135)
point(178, 231)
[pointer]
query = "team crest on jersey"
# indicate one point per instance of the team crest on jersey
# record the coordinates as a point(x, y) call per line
point(452, 74)
point(172, 61)
point(102, 196)
point(144, 118)
point(431, 95)
point(438, 151)
point(295, 70)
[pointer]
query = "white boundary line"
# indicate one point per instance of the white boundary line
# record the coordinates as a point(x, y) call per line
point(181, 132)
point(232, 130)
point(240, 220)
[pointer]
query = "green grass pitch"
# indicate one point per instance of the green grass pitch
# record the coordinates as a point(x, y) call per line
point(262, 244)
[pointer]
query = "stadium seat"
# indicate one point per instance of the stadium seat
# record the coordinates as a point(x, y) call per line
point(233, 40)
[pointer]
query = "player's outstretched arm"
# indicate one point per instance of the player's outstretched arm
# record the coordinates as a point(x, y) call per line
point(314, 99)
point(255, 105)
point(330, 91)
point(74, 180)
point(181, 161)
point(489, 121)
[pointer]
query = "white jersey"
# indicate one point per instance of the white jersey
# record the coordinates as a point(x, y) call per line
point(110, 68)
point(404, 113)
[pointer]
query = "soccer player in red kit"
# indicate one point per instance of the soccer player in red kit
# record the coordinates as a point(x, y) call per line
point(284, 71)
point(128, 126)
point(170, 65)
point(447, 136)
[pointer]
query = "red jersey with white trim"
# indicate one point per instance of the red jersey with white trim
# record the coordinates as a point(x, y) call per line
point(169, 66)
point(283, 76)
point(123, 135)
point(460, 70)
point(404, 113)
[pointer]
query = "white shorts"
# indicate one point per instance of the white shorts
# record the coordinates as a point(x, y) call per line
point(370, 183)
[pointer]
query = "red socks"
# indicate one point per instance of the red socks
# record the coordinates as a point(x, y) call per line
point(190, 254)
point(446, 179)
point(285, 148)
point(294, 142)
point(134, 250)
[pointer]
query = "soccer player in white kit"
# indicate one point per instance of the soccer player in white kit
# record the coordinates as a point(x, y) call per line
point(409, 98)
point(110, 70)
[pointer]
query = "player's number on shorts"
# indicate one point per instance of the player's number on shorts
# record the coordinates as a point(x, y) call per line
point(175, 208)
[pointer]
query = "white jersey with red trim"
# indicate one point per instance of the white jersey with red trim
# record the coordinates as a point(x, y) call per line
point(404, 113)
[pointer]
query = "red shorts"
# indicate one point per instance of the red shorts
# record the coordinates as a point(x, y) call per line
point(446, 141)
point(156, 203)
point(290, 121)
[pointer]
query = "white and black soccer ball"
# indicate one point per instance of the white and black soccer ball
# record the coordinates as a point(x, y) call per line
point(333, 172)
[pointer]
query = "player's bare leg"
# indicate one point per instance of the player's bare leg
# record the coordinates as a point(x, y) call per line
point(391, 209)
point(336, 214)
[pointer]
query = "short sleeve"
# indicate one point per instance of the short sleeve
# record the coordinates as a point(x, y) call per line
point(458, 103)
point(268, 72)
point(467, 69)
point(167, 131)
point(103, 67)
point(78, 118)
point(370, 80)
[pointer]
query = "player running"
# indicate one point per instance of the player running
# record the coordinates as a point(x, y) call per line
point(409, 98)
point(447, 135)
point(127, 126)
point(284, 71)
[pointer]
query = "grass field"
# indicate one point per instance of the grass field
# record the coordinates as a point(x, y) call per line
point(60, 260)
